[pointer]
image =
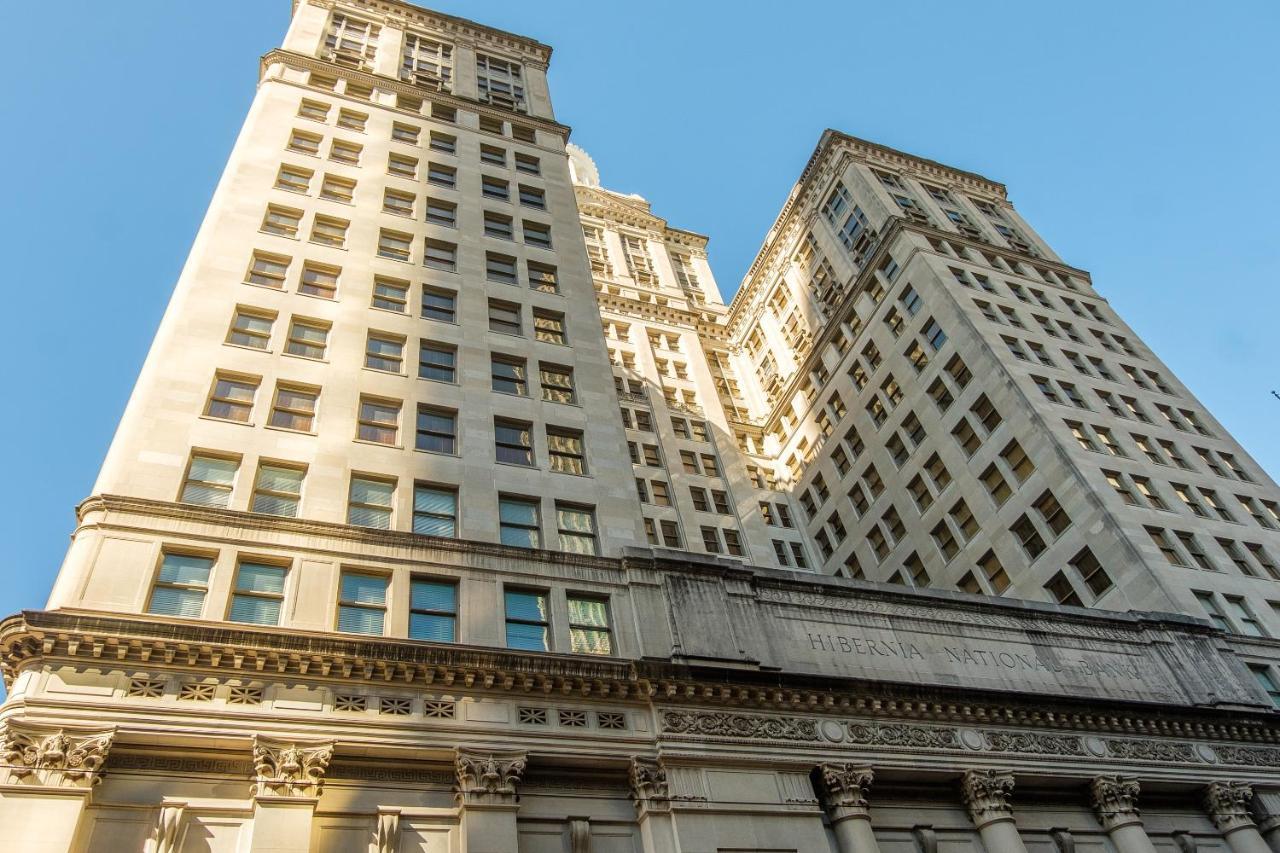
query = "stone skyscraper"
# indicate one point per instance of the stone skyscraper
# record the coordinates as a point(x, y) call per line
point(453, 510)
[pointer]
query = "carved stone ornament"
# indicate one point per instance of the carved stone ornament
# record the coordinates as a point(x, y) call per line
point(1228, 805)
point(488, 776)
point(288, 768)
point(845, 787)
point(54, 756)
point(1115, 801)
point(986, 795)
point(579, 835)
point(166, 835)
point(388, 838)
point(649, 781)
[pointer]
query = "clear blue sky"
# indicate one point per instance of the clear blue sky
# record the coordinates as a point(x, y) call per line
point(1140, 138)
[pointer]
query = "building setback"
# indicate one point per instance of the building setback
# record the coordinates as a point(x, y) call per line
point(914, 545)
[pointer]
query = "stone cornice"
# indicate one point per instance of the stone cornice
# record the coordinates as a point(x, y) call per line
point(312, 63)
point(609, 207)
point(397, 14)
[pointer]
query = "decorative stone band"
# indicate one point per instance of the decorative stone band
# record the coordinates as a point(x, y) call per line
point(986, 795)
point(289, 768)
point(844, 789)
point(1228, 805)
point(649, 786)
point(1115, 801)
point(53, 756)
point(488, 776)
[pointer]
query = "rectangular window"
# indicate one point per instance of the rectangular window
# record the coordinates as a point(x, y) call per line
point(362, 603)
point(281, 221)
point(528, 164)
point(501, 268)
point(589, 632)
point(509, 375)
point(180, 586)
point(440, 212)
point(394, 245)
point(342, 151)
point(329, 231)
point(250, 328)
point(438, 304)
point(504, 318)
point(528, 620)
point(319, 280)
point(495, 188)
point(536, 234)
point(231, 398)
point(435, 510)
point(277, 490)
point(711, 540)
point(267, 270)
point(307, 338)
point(576, 527)
point(379, 421)
point(543, 277)
point(498, 225)
point(383, 352)
point(556, 382)
point(513, 441)
point(390, 294)
point(258, 595)
point(369, 502)
point(442, 175)
point(433, 610)
point(295, 179)
point(403, 166)
point(548, 326)
point(337, 189)
point(437, 361)
point(405, 133)
point(533, 197)
point(440, 255)
point(305, 143)
point(437, 430)
point(209, 480)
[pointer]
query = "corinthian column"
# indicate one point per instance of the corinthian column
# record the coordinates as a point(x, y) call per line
point(47, 774)
point(487, 780)
point(289, 775)
point(1115, 802)
point(652, 795)
point(843, 791)
point(1228, 805)
point(986, 796)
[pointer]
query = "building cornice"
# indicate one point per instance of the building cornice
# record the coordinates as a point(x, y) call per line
point(610, 207)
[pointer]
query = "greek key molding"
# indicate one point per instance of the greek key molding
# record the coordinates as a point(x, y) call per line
point(288, 768)
point(53, 756)
point(986, 795)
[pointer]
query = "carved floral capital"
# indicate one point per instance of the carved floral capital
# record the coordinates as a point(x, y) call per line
point(986, 795)
point(845, 786)
point(1228, 805)
point(648, 781)
point(53, 756)
point(289, 768)
point(1115, 800)
point(488, 776)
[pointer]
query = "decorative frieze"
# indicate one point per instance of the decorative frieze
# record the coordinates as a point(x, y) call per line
point(893, 734)
point(746, 726)
point(53, 756)
point(488, 777)
point(1034, 742)
point(1227, 804)
point(1162, 751)
point(844, 788)
point(1115, 800)
point(289, 768)
point(986, 795)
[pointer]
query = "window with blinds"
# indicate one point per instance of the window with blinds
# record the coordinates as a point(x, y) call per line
point(362, 603)
point(433, 610)
point(258, 595)
point(277, 490)
point(369, 502)
point(518, 523)
point(576, 526)
point(528, 620)
point(209, 481)
point(435, 511)
point(181, 586)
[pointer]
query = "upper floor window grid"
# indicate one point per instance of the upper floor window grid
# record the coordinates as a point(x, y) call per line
point(351, 42)
point(500, 82)
point(426, 62)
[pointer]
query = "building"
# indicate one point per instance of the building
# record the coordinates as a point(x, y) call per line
point(372, 565)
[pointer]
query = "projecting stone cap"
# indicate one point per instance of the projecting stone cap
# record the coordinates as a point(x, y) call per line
point(844, 788)
point(53, 756)
point(1115, 801)
point(288, 767)
point(1227, 804)
point(986, 795)
point(488, 777)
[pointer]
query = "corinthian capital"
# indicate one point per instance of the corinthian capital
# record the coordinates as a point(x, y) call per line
point(648, 781)
point(1114, 800)
point(986, 795)
point(290, 768)
point(487, 776)
point(54, 756)
point(1228, 805)
point(845, 787)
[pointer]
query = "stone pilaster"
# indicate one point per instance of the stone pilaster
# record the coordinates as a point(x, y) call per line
point(487, 792)
point(579, 835)
point(1266, 813)
point(842, 789)
point(986, 795)
point(1115, 802)
point(1228, 805)
point(47, 775)
point(652, 794)
point(288, 779)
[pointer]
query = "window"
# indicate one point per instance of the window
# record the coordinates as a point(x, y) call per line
point(281, 221)
point(258, 595)
point(209, 480)
point(231, 398)
point(433, 610)
point(711, 540)
point(250, 328)
point(362, 603)
point(305, 143)
point(548, 326)
point(514, 442)
point(1149, 493)
point(443, 142)
point(314, 110)
point(576, 528)
point(1266, 681)
point(437, 430)
point(342, 151)
point(536, 234)
point(390, 294)
point(661, 494)
point(533, 197)
point(384, 352)
point(565, 451)
point(996, 575)
point(495, 188)
point(329, 231)
point(509, 375)
point(965, 437)
point(543, 277)
point(442, 175)
point(1162, 541)
point(277, 490)
point(556, 382)
point(369, 502)
point(180, 587)
point(528, 620)
point(500, 268)
point(403, 166)
point(437, 361)
point(404, 132)
point(1211, 610)
point(518, 522)
point(267, 270)
point(996, 485)
point(435, 510)
point(394, 245)
point(440, 212)
point(498, 225)
point(1192, 547)
point(1055, 517)
point(439, 304)
point(295, 179)
point(1018, 462)
point(528, 164)
point(319, 281)
point(441, 255)
point(307, 338)
point(333, 188)
point(1061, 590)
point(504, 317)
